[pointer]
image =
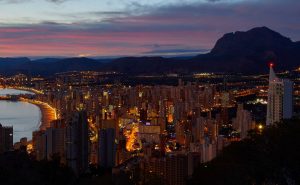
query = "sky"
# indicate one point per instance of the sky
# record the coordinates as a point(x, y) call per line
point(105, 28)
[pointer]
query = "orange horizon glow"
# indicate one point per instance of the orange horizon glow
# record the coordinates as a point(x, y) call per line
point(37, 41)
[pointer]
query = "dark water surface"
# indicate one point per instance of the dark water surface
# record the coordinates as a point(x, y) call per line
point(24, 117)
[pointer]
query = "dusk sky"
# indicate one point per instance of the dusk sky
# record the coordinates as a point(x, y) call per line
point(134, 27)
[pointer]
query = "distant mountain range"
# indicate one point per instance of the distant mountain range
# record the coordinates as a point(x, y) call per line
point(240, 52)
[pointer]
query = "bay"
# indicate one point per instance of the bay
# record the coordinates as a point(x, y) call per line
point(23, 116)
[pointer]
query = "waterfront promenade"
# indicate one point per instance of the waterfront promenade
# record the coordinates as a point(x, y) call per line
point(32, 90)
point(48, 112)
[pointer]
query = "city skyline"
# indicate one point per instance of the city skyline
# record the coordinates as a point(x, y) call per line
point(142, 92)
point(143, 131)
point(76, 28)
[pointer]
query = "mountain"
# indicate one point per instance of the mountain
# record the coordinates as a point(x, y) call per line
point(250, 42)
point(63, 65)
point(241, 52)
point(13, 64)
point(47, 60)
point(142, 65)
point(47, 67)
point(251, 51)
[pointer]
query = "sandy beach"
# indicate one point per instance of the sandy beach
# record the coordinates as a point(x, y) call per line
point(48, 113)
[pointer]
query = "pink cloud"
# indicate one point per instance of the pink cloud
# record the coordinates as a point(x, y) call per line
point(176, 27)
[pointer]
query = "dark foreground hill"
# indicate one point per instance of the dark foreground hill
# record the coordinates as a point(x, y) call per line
point(239, 52)
point(267, 159)
point(18, 168)
point(270, 158)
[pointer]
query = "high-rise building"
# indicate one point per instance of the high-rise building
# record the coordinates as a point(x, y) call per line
point(107, 149)
point(55, 143)
point(243, 121)
point(6, 139)
point(156, 166)
point(177, 169)
point(39, 142)
point(208, 151)
point(280, 98)
point(77, 142)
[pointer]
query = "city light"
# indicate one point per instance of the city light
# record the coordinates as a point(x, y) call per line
point(29, 148)
point(93, 131)
point(142, 92)
point(132, 141)
point(119, 126)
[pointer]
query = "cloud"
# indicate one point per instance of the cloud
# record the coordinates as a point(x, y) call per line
point(25, 1)
point(57, 1)
point(213, 0)
point(176, 52)
point(168, 29)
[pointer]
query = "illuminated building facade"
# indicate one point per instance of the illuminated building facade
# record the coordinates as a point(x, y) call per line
point(280, 99)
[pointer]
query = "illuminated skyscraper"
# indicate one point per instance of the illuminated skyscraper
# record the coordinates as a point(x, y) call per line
point(280, 98)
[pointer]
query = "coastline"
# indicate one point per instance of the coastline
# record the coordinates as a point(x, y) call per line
point(48, 113)
point(24, 89)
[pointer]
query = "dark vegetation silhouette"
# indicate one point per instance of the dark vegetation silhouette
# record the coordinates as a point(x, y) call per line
point(267, 158)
